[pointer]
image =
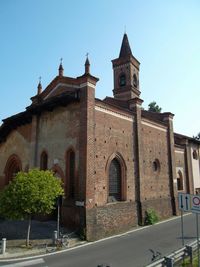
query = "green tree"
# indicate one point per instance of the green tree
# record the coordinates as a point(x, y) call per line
point(154, 107)
point(33, 192)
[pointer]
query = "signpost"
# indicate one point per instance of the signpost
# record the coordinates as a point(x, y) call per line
point(184, 201)
point(190, 203)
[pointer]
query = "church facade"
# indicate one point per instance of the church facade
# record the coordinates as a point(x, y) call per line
point(115, 159)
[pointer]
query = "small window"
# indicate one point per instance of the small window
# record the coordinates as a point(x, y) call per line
point(156, 165)
point(194, 154)
point(180, 181)
point(122, 80)
point(44, 161)
point(197, 191)
point(135, 82)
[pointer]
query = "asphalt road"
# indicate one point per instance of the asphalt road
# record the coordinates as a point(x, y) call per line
point(128, 250)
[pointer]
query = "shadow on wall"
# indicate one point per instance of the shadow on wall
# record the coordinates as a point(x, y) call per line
point(13, 230)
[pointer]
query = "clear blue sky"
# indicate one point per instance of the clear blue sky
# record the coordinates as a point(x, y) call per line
point(164, 37)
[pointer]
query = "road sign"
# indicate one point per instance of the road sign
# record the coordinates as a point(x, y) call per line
point(184, 202)
point(187, 202)
point(195, 203)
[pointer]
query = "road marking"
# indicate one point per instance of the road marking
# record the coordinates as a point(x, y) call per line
point(25, 263)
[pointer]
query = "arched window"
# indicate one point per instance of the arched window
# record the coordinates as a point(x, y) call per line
point(13, 166)
point(115, 183)
point(194, 154)
point(44, 161)
point(122, 79)
point(58, 172)
point(70, 167)
point(135, 81)
point(179, 181)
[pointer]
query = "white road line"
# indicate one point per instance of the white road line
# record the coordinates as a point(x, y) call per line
point(25, 263)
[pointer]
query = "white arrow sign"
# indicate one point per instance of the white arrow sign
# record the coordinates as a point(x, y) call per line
point(184, 201)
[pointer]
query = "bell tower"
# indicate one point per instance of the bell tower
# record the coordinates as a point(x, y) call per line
point(126, 73)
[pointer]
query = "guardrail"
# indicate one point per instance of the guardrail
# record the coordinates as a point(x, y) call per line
point(170, 260)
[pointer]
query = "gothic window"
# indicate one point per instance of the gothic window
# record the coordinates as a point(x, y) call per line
point(179, 181)
point(70, 173)
point(135, 82)
point(194, 154)
point(13, 166)
point(44, 161)
point(122, 79)
point(114, 181)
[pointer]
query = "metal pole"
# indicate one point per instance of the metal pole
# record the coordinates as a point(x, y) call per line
point(3, 244)
point(197, 222)
point(182, 230)
point(58, 221)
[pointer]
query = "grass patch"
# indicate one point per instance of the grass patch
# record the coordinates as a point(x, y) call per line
point(186, 263)
point(151, 217)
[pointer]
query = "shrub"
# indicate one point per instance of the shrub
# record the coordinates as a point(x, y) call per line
point(151, 217)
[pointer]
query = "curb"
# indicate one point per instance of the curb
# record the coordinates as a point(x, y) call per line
point(139, 228)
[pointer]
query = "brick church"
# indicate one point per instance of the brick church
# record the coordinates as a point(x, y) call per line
point(115, 158)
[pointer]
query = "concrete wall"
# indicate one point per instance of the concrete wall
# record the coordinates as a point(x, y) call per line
point(195, 165)
point(59, 131)
point(180, 166)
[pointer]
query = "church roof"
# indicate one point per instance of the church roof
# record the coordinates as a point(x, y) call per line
point(25, 117)
point(190, 139)
point(125, 47)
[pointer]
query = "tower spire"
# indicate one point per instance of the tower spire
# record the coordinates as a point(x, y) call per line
point(125, 47)
point(61, 70)
point(39, 86)
point(87, 65)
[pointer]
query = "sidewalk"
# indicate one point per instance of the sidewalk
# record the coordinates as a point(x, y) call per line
point(40, 238)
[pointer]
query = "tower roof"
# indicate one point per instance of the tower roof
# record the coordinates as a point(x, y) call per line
point(87, 65)
point(39, 86)
point(87, 62)
point(60, 69)
point(125, 47)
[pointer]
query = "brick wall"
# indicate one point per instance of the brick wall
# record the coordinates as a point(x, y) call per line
point(113, 136)
point(155, 184)
point(111, 219)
